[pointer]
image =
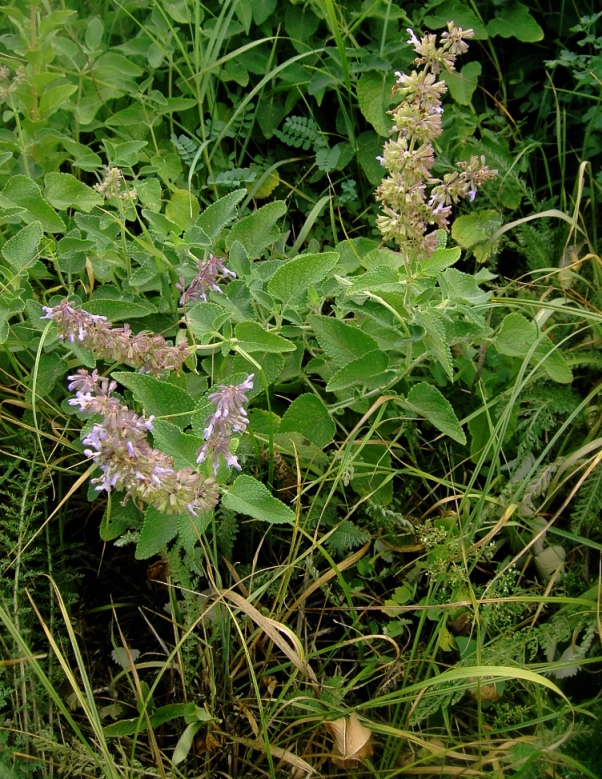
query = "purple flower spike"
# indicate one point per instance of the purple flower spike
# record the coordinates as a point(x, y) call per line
point(120, 448)
point(210, 272)
point(229, 417)
point(150, 353)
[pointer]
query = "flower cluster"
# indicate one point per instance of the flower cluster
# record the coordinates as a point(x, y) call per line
point(111, 186)
point(229, 417)
point(408, 209)
point(8, 85)
point(119, 446)
point(210, 272)
point(146, 351)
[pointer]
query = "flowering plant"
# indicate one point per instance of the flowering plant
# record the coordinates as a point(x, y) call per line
point(408, 207)
point(118, 443)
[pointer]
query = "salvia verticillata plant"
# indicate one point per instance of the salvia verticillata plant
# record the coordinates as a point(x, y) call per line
point(118, 444)
point(412, 199)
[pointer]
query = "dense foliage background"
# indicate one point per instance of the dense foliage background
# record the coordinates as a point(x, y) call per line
point(404, 579)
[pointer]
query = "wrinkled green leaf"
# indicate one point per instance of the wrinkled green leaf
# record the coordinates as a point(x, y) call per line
point(292, 280)
point(308, 415)
point(21, 250)
point(341, 342)
point(374, 97)
point(159, 398)
point(251, 497)
point(22, 191)
point(253, 338)
point(515, 21)
point(158, 530)
point(359, 372)
point(257, 231)
point(64, 191)
point(428, 401)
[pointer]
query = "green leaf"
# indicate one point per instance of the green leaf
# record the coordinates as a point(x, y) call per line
point(168, 168)
point(463, 84)
point(125, 727)
point(55, 97)
point(251, 497)
point(369, 147)
point(435, 340)
point(373, 95)
point(253, 338)
point(359, 372)
point(382, 258)
point(218, 214)
point(183, 208)
point(94, 33)
point(84, 157)
point(341, 342)
point(22, 191)
point(263, 9)
point(169, 712)
point(117, 519)
point(292, 279)
point(51, 367)
point(516, 336)
point(21, 250)
point(377, 279)
point(515, 21)
point(439, 260)
point(555, 364)
point(205, 318)
point(458, 286)
point(327, 159)
point(271, 364)
point(64, 191)
point(158, 530)
point(257, 231)
point(160, 224)
point(159, 398)
point(149, 192)
point(234, 71)
point(427, 400)
point(190, 528)
point(300, 24)
point(462, 15)
point(308, 415)
point(474, 228)
point(123, 155)
point(171, 440)
point(185, 742)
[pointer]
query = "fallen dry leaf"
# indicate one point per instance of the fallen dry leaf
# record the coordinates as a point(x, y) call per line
point(351, 741)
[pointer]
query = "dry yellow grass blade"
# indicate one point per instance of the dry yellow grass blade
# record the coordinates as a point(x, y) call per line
point(282, 754)
point(284, 638)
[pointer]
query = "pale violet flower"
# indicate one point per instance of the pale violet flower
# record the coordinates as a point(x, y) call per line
point(120, 447)
point(229, 417)
point(146, 351)
point(210, 272)
point(415, 204)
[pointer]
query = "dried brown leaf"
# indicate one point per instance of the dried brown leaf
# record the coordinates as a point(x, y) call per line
point(352, 741)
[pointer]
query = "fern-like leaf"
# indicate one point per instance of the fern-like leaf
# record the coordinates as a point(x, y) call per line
point(186, 148)
point(300, 132)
